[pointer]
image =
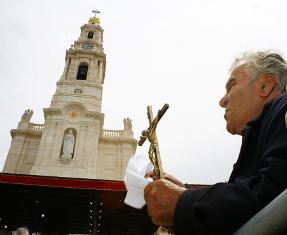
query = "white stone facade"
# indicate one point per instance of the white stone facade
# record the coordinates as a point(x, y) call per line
point(72, 141)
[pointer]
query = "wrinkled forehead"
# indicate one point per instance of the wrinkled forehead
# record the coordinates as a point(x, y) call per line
point(236, 71)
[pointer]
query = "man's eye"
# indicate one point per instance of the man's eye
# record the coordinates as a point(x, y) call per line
point(231, 85)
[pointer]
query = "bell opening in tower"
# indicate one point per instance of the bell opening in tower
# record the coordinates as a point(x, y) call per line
point(90, 35)
point(82, 72)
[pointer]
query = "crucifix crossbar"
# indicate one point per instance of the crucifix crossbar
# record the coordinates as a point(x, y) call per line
point(150, 134)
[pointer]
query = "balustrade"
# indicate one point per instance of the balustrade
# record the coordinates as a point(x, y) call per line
point(112, 133)
point(37, 127)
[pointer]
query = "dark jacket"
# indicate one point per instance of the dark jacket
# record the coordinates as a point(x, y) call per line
point(259, 175)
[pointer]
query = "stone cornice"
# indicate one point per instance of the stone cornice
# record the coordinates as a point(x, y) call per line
point(88, 114)
point(27, 132)
point(52, 111)
point(88, 54)
point(117, 139)
point(80, 83)
point(82, 96)
point(92, 27)
point(96, 115)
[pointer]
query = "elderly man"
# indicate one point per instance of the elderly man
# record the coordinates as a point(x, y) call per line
point(255, 105)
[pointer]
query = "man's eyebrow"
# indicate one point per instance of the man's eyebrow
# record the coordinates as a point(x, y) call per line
point(230, 80)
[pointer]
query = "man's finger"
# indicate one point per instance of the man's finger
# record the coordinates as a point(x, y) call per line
point(147, 191)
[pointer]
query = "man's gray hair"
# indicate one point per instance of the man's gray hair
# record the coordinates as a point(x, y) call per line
point(21, 231)
point(263, 62)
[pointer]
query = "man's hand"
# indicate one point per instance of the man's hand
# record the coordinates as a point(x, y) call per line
point(166, 176)
point(161, 197)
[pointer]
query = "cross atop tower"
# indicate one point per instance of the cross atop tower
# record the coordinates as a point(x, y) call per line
point(95, 12)
point(95, 19)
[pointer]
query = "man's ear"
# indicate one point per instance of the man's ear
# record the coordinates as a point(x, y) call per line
point(268, 83)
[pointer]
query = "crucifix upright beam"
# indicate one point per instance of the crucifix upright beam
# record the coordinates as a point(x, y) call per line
point(150, 134)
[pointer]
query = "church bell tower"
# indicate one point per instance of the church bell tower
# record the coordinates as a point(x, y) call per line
point(73, 122)
point(72, 141)
point(84, 71)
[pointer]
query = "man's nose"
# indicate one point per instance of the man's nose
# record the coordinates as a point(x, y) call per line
point(223, 101)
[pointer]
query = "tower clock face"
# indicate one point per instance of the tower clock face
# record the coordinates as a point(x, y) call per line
point(88, 46)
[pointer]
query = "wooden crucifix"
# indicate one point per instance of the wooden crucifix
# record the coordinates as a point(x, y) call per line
point(150, 134)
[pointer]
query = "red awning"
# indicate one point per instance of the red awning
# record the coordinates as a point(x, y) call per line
point(52, 181)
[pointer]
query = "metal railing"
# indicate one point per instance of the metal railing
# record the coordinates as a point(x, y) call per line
point(271, 220)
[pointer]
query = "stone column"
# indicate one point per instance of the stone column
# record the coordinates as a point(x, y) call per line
point(100, 70)
point(64, 75)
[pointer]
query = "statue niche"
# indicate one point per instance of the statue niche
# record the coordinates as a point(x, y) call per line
point(68, 144)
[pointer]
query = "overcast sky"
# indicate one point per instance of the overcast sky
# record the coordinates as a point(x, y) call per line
point(158, 51)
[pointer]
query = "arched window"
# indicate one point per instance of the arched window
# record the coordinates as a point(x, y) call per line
point(82, 71)
point(91, 35)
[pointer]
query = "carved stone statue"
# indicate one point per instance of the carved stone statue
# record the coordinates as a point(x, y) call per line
point(68, 144)
point(27, 115)
point(128, 126)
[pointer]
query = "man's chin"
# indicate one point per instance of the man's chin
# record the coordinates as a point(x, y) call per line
point(231, 130)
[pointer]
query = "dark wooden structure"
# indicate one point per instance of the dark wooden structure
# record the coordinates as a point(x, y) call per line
point(55, 205)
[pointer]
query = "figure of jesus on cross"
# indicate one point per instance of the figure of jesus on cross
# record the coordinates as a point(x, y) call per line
point(150, 134)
